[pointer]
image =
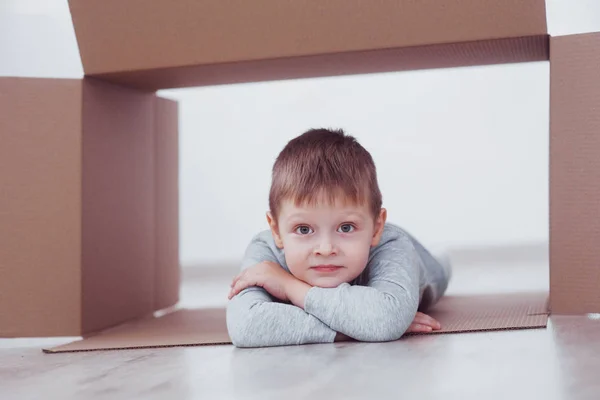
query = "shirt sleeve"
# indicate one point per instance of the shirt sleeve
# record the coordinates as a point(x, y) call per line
point(255, 319)
point(384, 308)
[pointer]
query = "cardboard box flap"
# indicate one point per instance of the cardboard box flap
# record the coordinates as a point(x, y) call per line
point(118, 218)
point(179, 328)
point(484, 52)
point(40, 207)
point(166, 189)
point(575, 174)
point(130, 253)
point(116, 37)
point(89, 222)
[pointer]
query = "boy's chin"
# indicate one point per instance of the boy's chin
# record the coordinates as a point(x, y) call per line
point(326, 282)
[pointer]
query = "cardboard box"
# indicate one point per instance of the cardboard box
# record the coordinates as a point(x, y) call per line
point(88, 219)
point(89, 210)
point(575, 174)
point(191, 43)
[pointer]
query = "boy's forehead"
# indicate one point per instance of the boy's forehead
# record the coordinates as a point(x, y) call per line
point(338, 205)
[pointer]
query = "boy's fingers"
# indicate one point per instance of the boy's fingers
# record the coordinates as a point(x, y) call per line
point(236, 278)
point(419, 328)
point(231, 293)
point(419, 319)
point(243, 281)
point(425, 319)
point(429, 326)
point(238, 287)
point(435, 324)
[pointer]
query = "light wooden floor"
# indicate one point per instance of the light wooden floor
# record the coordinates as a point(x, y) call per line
point(560, 362)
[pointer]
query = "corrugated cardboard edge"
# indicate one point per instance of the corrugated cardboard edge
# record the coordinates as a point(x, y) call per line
point(575, 174)
point(166, 175)
point(166, 346)
point(448, 55)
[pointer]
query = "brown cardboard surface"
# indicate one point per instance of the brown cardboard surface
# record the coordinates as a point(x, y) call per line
point(88, 186)
point(180, 328)
point(169, 38)
point(484, 52)
point(166, 161)
point(40, 207)
point(118, 204)
point(575, 174)
point(471, 313)
point(208, 326)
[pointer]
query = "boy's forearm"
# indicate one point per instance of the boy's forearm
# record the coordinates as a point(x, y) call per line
point(253, 320)
point(381, 313)
point(297, 291)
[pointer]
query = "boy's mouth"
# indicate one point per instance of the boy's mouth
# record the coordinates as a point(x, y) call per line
point(327, 268)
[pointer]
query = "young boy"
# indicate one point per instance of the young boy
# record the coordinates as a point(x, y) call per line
point(330, 267)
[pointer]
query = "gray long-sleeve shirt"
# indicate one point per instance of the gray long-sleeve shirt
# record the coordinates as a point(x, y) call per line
point(401, 277)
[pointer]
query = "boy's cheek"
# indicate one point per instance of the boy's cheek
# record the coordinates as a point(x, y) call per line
point(295, 258)
point(358, 256)
point(296, 245)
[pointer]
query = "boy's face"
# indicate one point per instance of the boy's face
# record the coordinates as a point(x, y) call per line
point(326, 244)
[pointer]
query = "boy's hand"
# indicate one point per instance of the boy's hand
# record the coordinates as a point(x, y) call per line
point(274, 279)
point(423, 323)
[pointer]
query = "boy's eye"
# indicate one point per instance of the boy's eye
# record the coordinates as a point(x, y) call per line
point(346, 228)
point(303, 230)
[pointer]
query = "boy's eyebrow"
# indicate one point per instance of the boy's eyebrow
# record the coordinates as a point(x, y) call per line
point(354, 216)
point(353, 213)
point(297, 215)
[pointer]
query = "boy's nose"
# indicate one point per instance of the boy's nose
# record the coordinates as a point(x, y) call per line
point(325, 249)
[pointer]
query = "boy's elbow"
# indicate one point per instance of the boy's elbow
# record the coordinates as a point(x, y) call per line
point(387, 332)
point(243, 335)
point(240, 341)
point(393, 332)
point(238, 323)
point(243, 325)
point(239, 335)
point(394, 324)
point(381, 329)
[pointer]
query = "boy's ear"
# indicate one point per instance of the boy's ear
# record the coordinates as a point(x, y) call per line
point(379, 225)
point(274, 230)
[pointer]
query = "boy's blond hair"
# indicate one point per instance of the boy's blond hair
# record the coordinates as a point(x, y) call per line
point(324, 162)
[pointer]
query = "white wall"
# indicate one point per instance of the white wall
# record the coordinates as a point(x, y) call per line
point(456, 168)
point(462, 154)
point(37, 39)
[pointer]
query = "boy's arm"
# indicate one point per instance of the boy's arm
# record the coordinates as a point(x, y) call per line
point(385, 308)
point(254, 319)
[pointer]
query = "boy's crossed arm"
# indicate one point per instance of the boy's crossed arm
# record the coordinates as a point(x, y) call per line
point(384, 310)
point(255, 320)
